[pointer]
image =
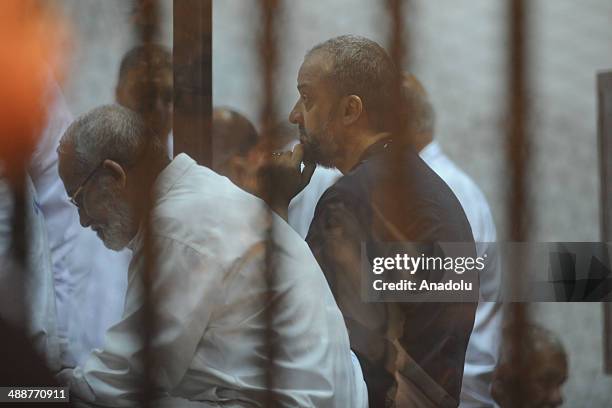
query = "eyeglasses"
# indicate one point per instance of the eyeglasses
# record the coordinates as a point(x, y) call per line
point(74, 196)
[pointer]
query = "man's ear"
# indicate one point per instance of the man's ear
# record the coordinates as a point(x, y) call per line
point(352, 108)
point(116, 171)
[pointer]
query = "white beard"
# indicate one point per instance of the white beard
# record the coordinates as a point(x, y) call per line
point(118, 232)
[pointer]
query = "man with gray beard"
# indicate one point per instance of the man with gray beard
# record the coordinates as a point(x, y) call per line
point(208, 286)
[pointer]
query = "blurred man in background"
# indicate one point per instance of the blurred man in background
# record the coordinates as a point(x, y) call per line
point(239, 152)
point(482, 351)
point(234, 147)
point(545, 370)
point(145, 85)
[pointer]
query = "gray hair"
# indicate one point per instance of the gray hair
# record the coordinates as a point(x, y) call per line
point(109, 132)
point(362, 67)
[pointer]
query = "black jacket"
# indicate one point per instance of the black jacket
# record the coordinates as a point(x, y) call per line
point(392, 195)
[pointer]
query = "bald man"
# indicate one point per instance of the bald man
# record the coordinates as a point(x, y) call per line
point(545, 375)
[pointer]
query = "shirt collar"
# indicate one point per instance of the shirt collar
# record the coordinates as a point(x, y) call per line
point(164, 183)
point(172, 174)
point(136, 242)
point(430, 152)
point(375, 148)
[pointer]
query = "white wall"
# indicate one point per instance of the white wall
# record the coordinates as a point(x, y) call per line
point(102, 34)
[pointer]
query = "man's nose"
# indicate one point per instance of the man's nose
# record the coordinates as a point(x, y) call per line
point(295, 116)
point(84, 219)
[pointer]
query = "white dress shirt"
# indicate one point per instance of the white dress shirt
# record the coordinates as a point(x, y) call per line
point(483, 347)
point(32, 304)
point(98, 282)
point(302, 207)
point(210, 294)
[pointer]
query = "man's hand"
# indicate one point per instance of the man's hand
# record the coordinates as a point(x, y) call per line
point(282, 178)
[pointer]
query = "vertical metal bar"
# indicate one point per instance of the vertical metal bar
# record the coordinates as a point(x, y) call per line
point(604, 127)
point(192, 60)
point(398, 54)
point(15, 172)
point(267, 62)
point(16, 176)
point(517, 137)
point(396, 50)
point(607, 315)
point(518, 159)
point(147, 26)
point(268, 59)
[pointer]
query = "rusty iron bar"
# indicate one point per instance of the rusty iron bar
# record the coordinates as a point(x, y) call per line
point(16, 177)
point(16, 173)
point(397, 51)
point(396, 48)
point(604, 125)
point(146, 20)
point(518, 160)
point(268, 59)
point(192, 66)
point(518, 138)
point(268, 63)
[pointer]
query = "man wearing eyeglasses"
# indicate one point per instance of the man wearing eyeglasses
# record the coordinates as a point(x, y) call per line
point(107, 220)
point(208, 284)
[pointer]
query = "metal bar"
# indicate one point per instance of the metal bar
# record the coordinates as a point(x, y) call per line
point(604, 127)
point(397, 51)
point(192, 60)
point(15, 173)
point(517, 156)
point(147, 25)
point(16, 176)
point(607, 311)
point(267, 61)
